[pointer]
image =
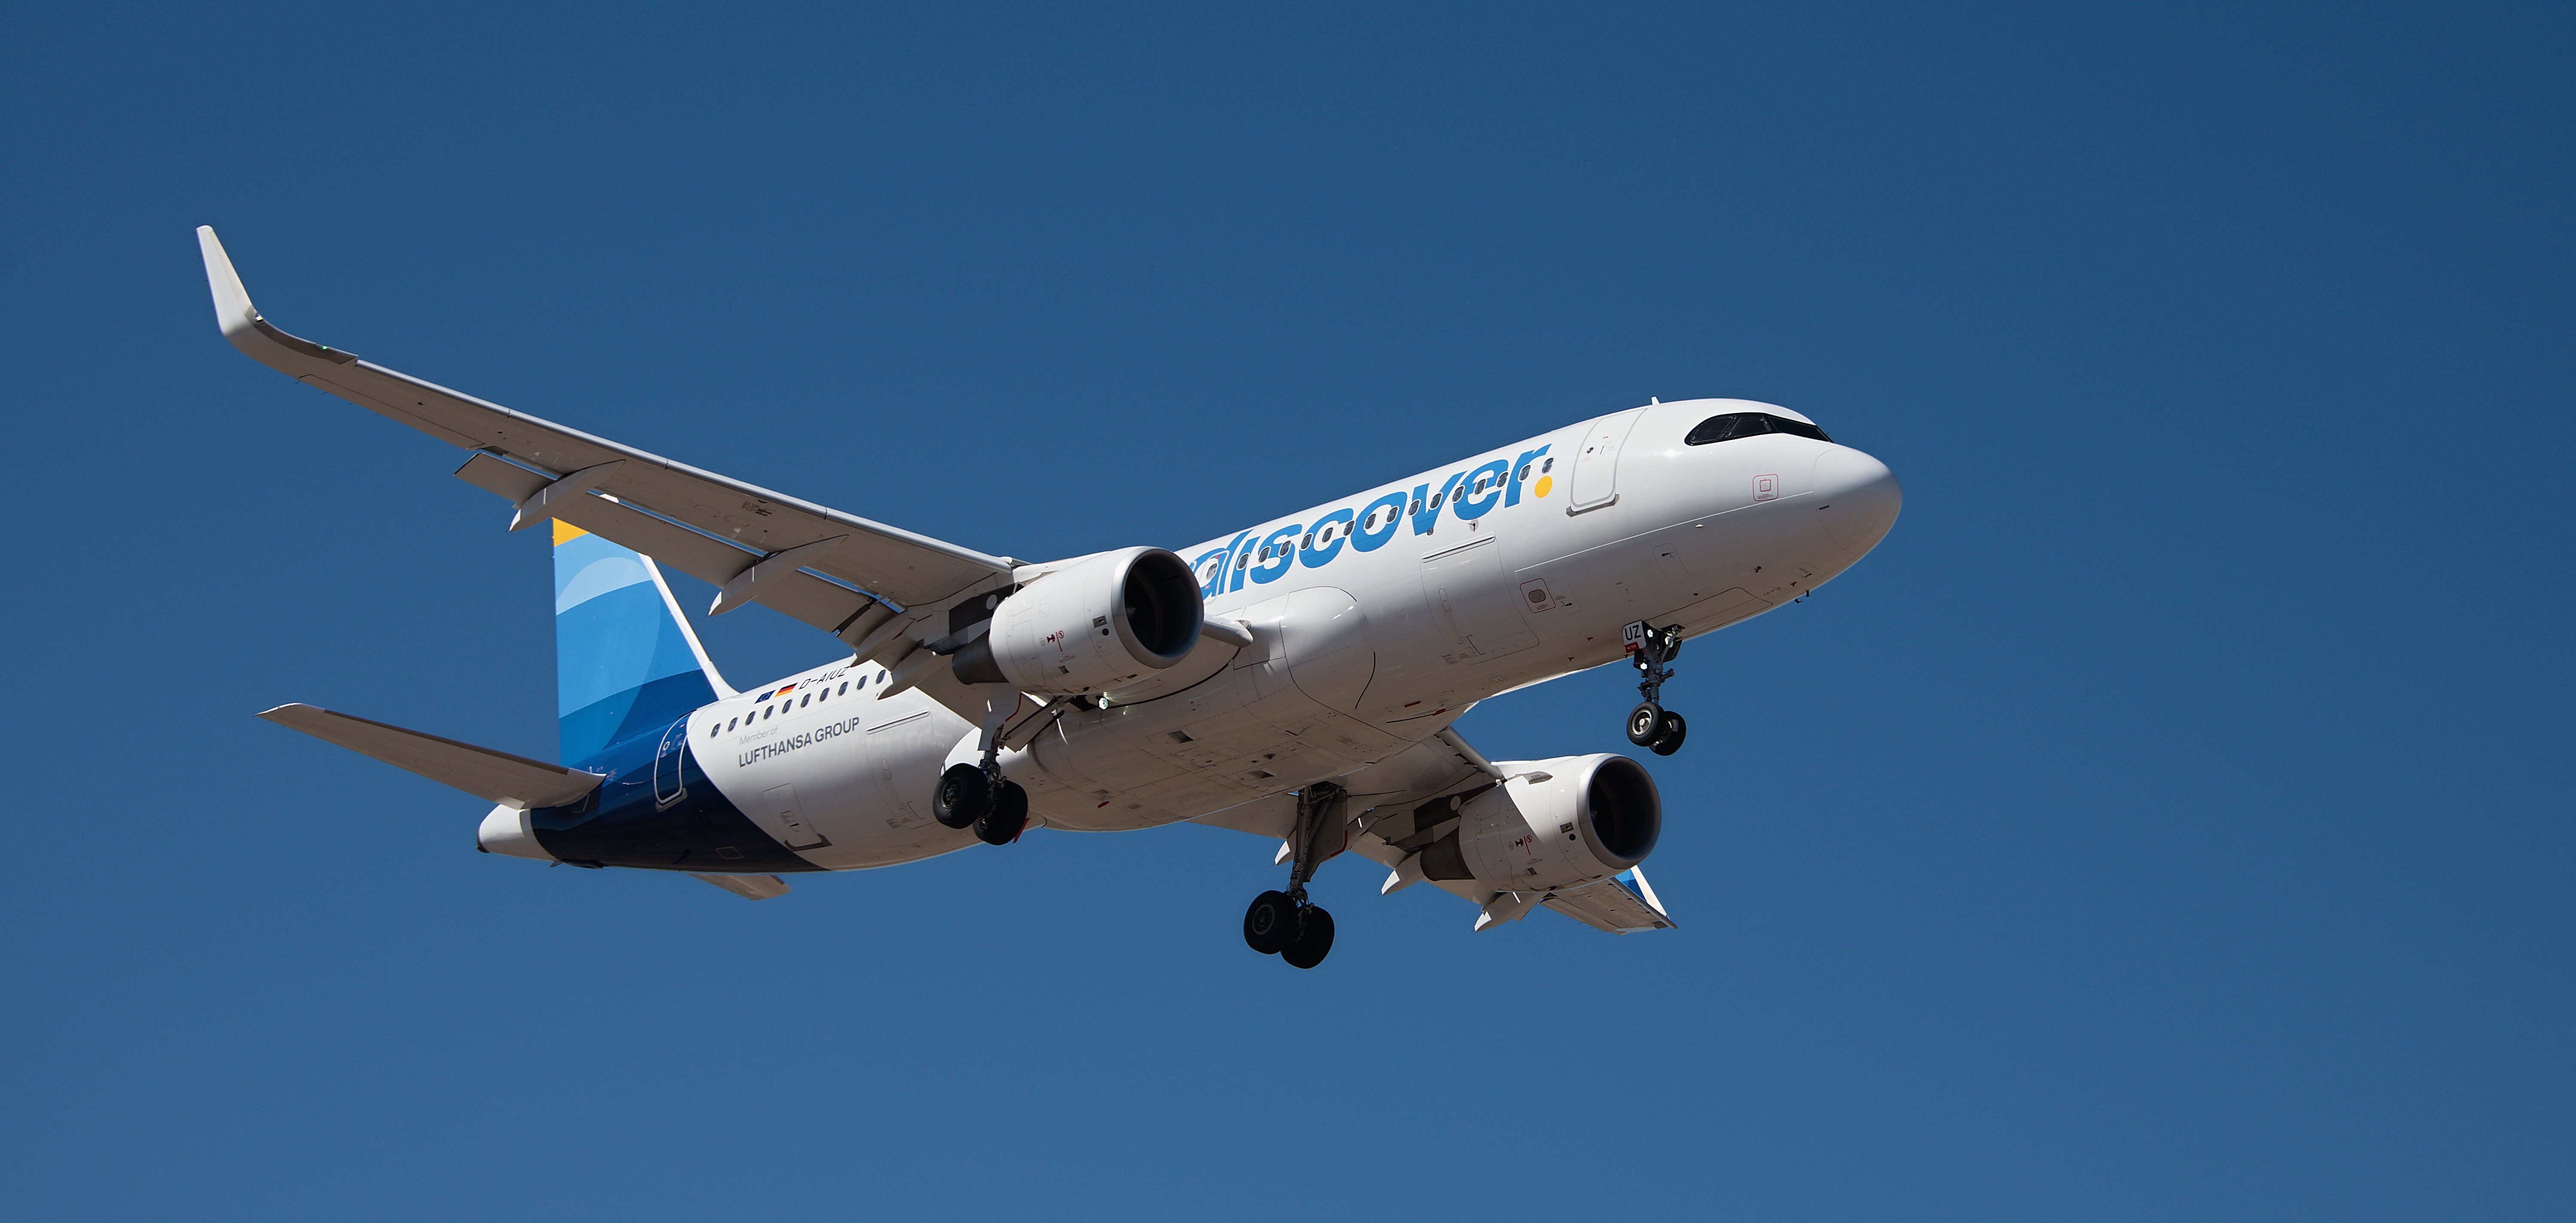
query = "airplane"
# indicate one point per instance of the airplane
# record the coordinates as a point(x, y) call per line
point(1297, 679)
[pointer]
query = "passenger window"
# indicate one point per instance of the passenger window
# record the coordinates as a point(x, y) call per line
point(807, 700)
point(1243, 560)
point(731, 722)
point(764, 714)
point(1417, 505)
point(1523, 473)
point(845, 687)
point(1435, 499)
point(1547, 467)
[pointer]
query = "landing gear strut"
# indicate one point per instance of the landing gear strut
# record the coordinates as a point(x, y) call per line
point(975, 795)
point(1650, 725)
point(1286, 924)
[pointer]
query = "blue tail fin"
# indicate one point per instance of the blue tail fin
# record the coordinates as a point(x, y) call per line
point(626, 663)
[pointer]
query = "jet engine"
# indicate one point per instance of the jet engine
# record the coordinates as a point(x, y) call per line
point(1556, 823)
point(1092, 625)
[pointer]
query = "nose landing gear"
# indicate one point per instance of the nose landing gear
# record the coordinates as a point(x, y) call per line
point(1650, 725)
point(1286, 924)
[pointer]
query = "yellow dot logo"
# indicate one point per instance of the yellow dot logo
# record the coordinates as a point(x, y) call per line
point(1544, 483)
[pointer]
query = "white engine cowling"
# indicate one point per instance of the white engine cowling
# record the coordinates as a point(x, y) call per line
point(1593, 817)
point(1097, 623)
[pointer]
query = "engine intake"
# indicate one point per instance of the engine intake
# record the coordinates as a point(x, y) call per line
point(1593, 817)
point(1092, 625)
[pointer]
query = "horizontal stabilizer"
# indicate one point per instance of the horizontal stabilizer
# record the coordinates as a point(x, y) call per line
point(1623, 905)
point(749, 887)
point(499, 777)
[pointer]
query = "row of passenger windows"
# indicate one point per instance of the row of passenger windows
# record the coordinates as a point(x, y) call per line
point(1736, 425)
point(770, 710)
point(1382, 516)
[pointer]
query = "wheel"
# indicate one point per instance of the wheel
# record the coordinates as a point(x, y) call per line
point(1009, 815)
point(1673, 730)
point(962, 796)
point(1270, 923)
point(1314, 940)
point(1644, 723)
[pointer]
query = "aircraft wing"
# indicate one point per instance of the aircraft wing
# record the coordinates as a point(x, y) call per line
point(1396, 804)
point(864, 581)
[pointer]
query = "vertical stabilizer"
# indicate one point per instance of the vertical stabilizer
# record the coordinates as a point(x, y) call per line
point(626, 663)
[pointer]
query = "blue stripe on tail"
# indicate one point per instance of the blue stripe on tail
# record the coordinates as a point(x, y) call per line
point(623, 662)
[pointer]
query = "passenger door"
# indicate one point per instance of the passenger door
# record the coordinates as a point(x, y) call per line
point(666, 765)
point(1596, 463)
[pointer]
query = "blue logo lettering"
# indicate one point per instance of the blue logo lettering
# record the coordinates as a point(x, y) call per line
point(1486, 483)
point(1279, 551)
point(1377, 523)
point(1328, 544)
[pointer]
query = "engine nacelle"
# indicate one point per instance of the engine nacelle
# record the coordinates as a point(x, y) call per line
point(1593, 817)
point(1093, 625)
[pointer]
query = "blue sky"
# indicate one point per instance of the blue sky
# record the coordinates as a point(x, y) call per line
point(2170, 820)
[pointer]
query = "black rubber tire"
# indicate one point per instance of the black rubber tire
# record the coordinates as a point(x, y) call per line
point(1645, 722)
point(1008, 818)
point(1314, 939)
point(1271, 923)
point(1674, 731)
point(962, 796)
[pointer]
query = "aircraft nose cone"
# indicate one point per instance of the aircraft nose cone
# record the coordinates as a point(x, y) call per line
point(1856, 498)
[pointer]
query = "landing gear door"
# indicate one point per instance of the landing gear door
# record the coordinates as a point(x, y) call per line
point(1596, 461)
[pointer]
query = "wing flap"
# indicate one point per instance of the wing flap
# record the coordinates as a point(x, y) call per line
point(1623, 905)
point(493, 776)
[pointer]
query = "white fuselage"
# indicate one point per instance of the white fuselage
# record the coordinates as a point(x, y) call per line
point(1370, 634)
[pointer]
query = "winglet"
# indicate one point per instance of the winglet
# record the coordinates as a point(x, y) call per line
point(242, 323)
point(233, 311)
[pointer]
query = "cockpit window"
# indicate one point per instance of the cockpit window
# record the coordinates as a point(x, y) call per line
point(1734, 425)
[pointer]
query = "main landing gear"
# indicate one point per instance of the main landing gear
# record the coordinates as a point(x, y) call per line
point(973, 797)
point(1286, 924)
point(1650, 725)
